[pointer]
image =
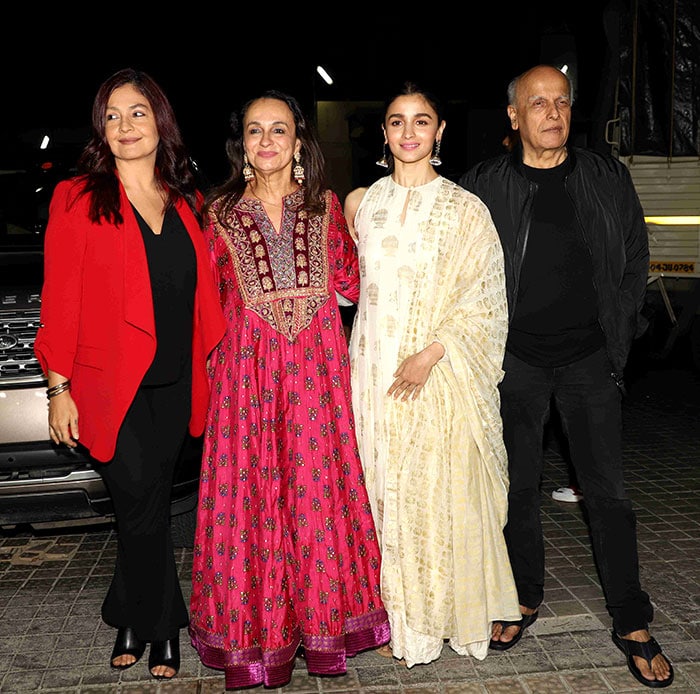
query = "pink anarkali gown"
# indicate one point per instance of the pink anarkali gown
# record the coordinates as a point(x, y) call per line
point(286, 554)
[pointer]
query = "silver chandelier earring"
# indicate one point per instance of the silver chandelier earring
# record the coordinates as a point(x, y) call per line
point(383, 162)
point(435, 159)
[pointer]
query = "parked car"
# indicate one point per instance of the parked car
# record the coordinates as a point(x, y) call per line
point(41, 484)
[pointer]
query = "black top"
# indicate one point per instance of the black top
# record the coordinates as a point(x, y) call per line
point(172, 265)
point(556, 313)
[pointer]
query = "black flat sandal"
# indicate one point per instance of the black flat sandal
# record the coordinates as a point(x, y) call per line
point(643, 649)
point(165, 653)
point(126, 643)
point(523, 623)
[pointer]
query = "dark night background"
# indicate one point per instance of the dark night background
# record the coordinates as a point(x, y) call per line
point(211, 60)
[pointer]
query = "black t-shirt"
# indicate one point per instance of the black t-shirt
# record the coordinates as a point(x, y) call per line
point(556, 312)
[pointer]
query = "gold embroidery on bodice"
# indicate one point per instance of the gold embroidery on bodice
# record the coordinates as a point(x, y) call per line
point(282, 276)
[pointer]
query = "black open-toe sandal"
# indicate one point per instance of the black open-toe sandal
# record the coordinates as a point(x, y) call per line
point(642, 649)
point(524, 623)
point(165, 653)
point(126, 643)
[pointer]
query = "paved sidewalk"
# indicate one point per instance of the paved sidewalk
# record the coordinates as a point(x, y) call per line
point(52, 586)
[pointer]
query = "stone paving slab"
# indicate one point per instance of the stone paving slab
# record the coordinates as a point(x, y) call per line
point(52, 584)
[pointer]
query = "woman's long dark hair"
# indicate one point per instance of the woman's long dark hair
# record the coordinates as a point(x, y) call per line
point(96, 164)
point(231, 190)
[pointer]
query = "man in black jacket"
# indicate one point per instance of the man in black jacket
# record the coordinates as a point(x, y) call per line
point(576, 257)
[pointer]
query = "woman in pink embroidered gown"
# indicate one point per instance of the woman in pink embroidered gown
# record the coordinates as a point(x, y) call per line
point(285, 553)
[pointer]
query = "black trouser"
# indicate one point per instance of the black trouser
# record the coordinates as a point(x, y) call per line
point(145, 592)
point(589, 405)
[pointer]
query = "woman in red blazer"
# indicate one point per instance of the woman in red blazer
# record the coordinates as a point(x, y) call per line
point(129, 316)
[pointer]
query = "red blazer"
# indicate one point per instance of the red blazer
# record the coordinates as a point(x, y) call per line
point(97, 325)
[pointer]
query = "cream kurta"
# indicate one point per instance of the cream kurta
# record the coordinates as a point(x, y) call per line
point(435, 467)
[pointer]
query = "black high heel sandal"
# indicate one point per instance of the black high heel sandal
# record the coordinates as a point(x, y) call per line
point(165, 653)
point(126, 643)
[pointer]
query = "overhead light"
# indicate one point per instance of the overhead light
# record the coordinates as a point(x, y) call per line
point(678, 220)
point(324, 75)
point(44, 143)
point(564, 68)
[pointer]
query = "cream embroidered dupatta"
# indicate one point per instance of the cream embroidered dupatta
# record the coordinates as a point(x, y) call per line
point(436, 467)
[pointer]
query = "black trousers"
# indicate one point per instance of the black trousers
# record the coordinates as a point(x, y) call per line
point(589, 405)
point(145, 592)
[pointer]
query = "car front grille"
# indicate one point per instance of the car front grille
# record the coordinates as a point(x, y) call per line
point(19, 321)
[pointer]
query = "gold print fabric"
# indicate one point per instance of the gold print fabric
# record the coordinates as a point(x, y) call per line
point(431, 269)
point(283, 276)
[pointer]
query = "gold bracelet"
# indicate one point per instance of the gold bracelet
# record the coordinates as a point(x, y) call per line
point(57, 389)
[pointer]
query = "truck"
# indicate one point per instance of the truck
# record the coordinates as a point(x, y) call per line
point(651, 93)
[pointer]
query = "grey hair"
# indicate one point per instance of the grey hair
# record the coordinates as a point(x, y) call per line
point(513, 85)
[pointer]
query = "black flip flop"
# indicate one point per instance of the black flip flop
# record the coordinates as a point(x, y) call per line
point(523, 623)
point(642, 649)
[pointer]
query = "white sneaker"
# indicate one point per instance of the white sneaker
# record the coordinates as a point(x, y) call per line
point(567, 494)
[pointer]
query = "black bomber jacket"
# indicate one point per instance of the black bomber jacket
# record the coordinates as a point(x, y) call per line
point(611, 217)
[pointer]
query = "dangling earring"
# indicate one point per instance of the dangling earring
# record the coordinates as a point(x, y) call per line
point(435, 159)
point(248, 173)
point(383, 162)
point(298, 172)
